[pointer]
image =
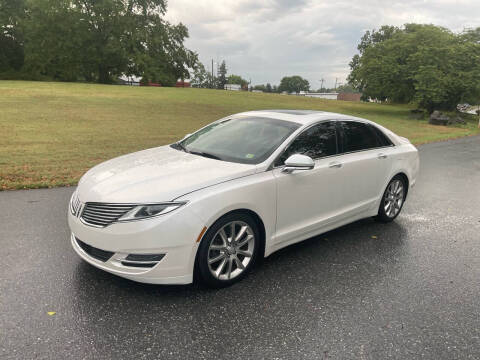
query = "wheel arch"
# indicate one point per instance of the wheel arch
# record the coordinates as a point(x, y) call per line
point(261, 228)
point(254, 215)
point(404, 176)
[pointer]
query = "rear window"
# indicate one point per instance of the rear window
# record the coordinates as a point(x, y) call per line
point(357, 136)
point(382, 138)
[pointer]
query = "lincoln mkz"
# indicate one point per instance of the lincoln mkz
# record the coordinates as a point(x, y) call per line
point(238, 189)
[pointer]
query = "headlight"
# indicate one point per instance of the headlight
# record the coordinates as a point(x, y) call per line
point(147, 211)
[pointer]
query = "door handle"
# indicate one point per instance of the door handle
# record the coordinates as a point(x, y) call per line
point(382, 156)
point(335, 165)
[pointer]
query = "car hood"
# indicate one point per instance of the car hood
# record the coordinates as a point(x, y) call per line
point(155, 175)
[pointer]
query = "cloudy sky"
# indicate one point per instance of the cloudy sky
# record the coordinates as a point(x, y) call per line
point(263, 40)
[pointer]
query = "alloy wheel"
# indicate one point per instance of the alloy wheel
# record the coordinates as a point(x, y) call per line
point(394, 198)
point(231, 250)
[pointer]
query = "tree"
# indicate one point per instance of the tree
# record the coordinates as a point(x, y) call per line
point(200, 77)
point(346, 88)
point(268, 88)
point(237, 79)
point(260, 88)
point(11, 38)
point(294, 84)
point(222, 75)
point(425, 64)
point(99, 40)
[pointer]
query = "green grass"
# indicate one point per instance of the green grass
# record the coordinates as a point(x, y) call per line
point(51, 133)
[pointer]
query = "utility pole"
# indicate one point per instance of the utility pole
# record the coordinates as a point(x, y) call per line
point(336, 79)
point(321, 86)
point(212, 75)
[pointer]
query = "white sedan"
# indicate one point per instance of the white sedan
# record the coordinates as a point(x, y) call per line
point(240, 188)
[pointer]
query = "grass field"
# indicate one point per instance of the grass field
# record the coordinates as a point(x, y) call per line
point(51, 133)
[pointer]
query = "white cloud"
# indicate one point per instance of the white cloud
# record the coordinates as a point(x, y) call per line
point(265, 40)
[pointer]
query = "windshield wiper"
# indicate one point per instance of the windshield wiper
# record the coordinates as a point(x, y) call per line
point(205, 154)
point(179, 146)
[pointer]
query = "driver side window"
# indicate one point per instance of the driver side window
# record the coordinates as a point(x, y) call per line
point(317, 142)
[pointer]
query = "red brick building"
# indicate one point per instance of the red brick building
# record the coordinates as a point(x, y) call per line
point(182, 83)
point(349, 96)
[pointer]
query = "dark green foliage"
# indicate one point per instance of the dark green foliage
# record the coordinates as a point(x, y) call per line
point(260, 88)
point(236, 79)
point(92, 40)
point(425, 64)
point(346, 88)
point(222, 75)
point(293, 84)
point(11, 39)
point(200, 77)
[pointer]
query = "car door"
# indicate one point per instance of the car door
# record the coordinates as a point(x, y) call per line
point(308, 198)
point(364, 156)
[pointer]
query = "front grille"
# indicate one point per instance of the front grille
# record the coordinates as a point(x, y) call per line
point(98, 254)
point(103, 214)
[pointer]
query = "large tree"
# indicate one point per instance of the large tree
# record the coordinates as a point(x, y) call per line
point(222, 75)
point(99, 40)
point(200, 77)
point(294, 84)
point(237, 79)
point(11, 38)
point(425, 64)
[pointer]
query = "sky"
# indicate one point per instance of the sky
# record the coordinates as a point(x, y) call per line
point(264, 40)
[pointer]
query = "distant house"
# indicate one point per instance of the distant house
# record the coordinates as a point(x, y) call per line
point(129, 80)
point(349, 96)
point(233, 87)
point(334, 96)
point(151, 84)
point(183, 84)
point(329, 96)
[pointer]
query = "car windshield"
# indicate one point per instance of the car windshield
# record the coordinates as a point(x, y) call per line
point(248, 140)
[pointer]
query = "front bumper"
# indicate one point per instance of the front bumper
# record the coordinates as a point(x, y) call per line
point(172, 234)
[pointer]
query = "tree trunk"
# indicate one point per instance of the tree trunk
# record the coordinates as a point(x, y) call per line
point(103, 75)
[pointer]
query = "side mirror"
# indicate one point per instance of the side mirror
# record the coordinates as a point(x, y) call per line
point(298, 162)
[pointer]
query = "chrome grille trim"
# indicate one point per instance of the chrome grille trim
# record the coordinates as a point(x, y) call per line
point(103, 214)
point(75, 204)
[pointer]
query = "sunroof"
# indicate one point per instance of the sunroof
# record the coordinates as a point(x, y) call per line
point(294, 112)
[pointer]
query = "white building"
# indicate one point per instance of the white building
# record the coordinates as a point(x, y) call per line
point(233, 87)
point(329, 96)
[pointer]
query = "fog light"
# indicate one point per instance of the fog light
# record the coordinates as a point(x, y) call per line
point(142, 260)
point(141, 257)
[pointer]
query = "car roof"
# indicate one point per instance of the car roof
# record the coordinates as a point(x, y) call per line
point(303, 117)
point(307, 117)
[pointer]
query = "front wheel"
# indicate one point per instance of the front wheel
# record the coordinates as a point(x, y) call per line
point(392, 200)
point(228, 250)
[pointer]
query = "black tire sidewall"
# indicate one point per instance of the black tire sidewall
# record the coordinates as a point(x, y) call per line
point(382, 216)
point(202, 255)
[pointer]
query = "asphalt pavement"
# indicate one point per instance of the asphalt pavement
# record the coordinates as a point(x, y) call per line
point(405, 290)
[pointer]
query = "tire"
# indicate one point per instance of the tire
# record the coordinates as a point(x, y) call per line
point(220, 262)
point(392, 200)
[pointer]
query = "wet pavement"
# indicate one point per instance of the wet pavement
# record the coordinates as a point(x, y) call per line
point(405, 290)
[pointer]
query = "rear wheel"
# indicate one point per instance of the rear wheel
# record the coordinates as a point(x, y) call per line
point(392, 200)
point(228, 250)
